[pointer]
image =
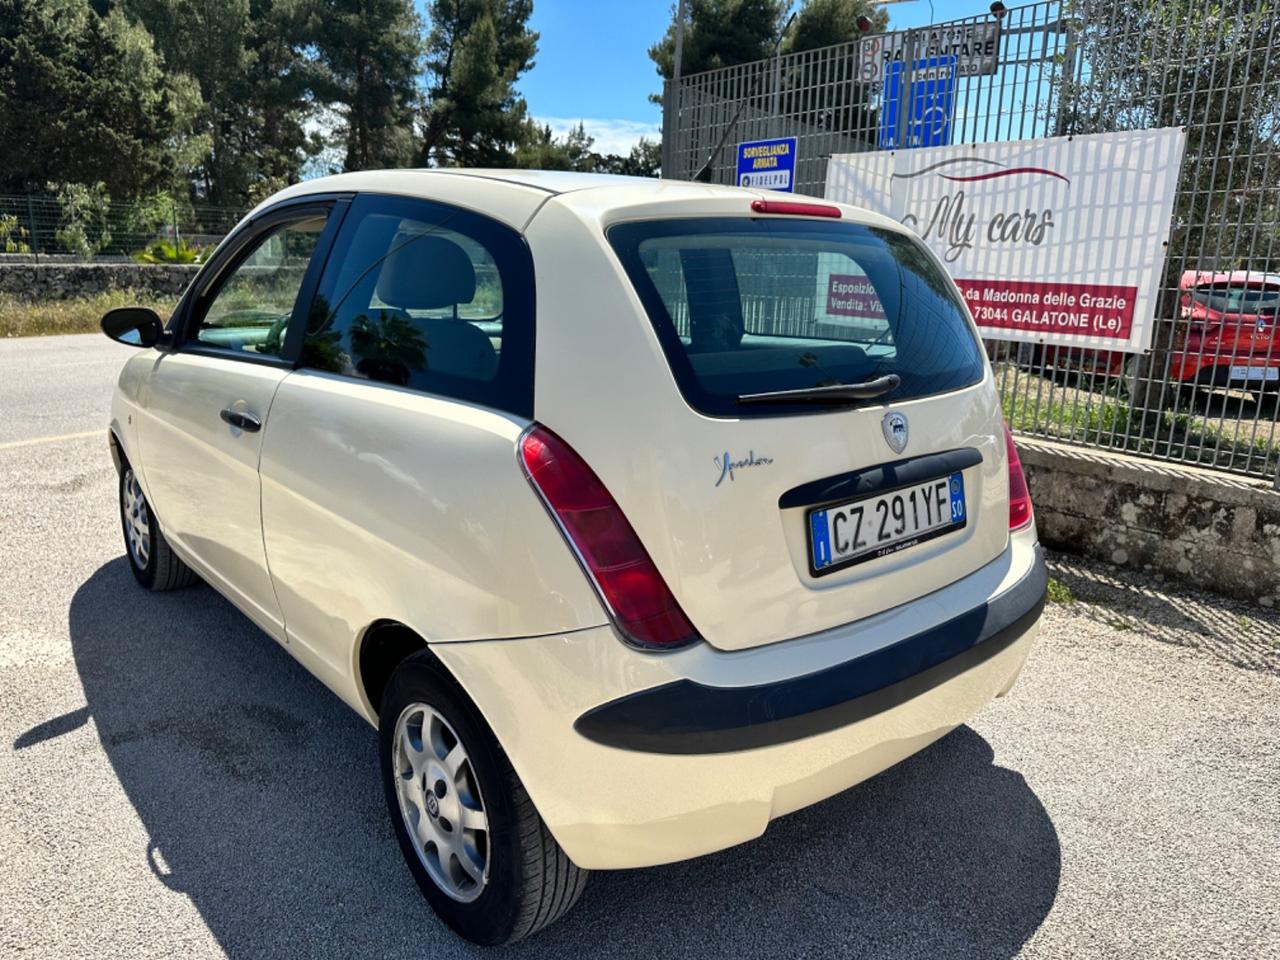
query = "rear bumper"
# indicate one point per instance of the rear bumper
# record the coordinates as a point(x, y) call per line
point(636, 759)
point(687, 717)
point(1211, 367)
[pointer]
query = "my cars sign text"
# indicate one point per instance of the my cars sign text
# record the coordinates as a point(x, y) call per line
point(1058, 240)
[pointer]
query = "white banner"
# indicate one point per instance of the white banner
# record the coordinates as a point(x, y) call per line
point(1059, 240)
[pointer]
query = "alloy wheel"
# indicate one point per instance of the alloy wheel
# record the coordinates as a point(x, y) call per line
point(137, 520)
point(440, 802)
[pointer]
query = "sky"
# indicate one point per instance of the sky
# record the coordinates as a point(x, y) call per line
point(593, 63)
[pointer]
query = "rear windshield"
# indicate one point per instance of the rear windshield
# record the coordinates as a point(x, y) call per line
point(747, 306)
point(1238, 298)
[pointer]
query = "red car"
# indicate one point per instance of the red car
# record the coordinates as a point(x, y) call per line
point(1226, 335)
point(1231, 339)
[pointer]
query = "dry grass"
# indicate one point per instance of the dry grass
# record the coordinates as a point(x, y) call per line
point(28, 318)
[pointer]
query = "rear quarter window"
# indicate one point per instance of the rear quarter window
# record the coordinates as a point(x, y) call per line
point(746, 306)
point(430, 297)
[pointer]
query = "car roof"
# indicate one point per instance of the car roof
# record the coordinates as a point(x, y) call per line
point(1192, 278)
point(514, 196)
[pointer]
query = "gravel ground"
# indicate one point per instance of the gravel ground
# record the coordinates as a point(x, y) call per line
point(171, 783)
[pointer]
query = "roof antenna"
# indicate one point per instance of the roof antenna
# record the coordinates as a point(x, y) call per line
point(704, 174)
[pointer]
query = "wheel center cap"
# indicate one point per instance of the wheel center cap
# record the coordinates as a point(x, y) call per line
point(433, 805)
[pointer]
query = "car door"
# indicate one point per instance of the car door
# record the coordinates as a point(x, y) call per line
point(389, 466)
point(205, 402)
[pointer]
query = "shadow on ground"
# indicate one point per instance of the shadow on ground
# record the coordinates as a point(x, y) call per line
point(259, 792)
point(1241, 632)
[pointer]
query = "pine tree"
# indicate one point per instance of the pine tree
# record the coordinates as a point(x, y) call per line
point(476, 51)
point(371, 51)
point(84, 99)
point(249, 58)
point(541, 150)
point(720, 33)
point(823, 23)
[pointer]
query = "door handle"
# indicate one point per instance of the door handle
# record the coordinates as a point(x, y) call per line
point(244, 421)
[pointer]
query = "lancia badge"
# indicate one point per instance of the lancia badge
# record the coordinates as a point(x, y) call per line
point(894, 425)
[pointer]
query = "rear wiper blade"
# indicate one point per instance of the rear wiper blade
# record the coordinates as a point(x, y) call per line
point(836, 393)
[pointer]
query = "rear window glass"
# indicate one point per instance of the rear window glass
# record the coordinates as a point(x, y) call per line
point(1239, 298)
point(747, 306)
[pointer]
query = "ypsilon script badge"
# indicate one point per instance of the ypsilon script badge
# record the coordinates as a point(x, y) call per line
point(894, 425)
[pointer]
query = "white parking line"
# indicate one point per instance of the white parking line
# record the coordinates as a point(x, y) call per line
point(11, 444)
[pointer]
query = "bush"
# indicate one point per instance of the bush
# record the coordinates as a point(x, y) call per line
point(84, 224)
point(13, 238)
point(162, 251)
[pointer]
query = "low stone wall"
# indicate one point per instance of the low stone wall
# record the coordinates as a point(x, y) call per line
point(1210, 529)
point(67, 281)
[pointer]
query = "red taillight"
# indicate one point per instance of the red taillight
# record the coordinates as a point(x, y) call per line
point(617, 562)
point(1019, 495)
point(796, 209)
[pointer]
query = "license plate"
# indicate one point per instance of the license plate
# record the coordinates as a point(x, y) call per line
point(1255, 373)
point(877, 526)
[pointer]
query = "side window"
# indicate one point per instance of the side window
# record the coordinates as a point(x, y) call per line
point(251, 307)
point(422, 295)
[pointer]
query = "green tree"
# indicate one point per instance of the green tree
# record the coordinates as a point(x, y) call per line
point(371, 52)
point(823, 23)
point(644, 160)
point(84, 225)
point(84, 99)
point(282, 80)
point(476, 51)
point(809, 95)
point(539, 149)
point(1208, 68)
point(720, 33)
point(250, 59)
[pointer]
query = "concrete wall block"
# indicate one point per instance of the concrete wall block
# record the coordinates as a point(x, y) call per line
point(1203, 518)
point(67, 281)
point(1137, 507)
point(1062, 531)
point(1210, 529)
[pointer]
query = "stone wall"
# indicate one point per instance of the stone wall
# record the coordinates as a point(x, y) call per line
point(1208, 528)
point(67, 281)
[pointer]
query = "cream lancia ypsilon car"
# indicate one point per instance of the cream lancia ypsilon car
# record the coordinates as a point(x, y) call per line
point(633, 513)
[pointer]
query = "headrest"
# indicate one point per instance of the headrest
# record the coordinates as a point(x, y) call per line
point(426, 273)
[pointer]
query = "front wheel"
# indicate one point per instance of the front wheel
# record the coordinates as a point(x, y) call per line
point(154, 564)
point(469, 833)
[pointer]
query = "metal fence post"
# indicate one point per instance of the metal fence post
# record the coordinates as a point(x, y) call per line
point(670, 127)
point(31, 218)
point(902, 131)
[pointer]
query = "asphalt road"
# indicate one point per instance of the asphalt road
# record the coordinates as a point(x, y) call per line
point(171, 784)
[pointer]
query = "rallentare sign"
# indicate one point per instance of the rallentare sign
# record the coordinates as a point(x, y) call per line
point(1055, 241)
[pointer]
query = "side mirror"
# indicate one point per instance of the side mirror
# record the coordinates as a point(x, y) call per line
point(135, 326)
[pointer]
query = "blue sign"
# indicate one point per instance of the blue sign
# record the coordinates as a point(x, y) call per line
point(929, 109)
point(770, 164)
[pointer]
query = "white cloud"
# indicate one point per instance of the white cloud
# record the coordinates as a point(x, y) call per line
point(611, 135)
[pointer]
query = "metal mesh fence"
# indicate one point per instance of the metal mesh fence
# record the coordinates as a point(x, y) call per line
point(1207, 391)
point(40, 226)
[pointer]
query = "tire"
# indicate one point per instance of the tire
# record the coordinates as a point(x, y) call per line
point(1149, 391)
point(151, 559)
point(525, 880)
